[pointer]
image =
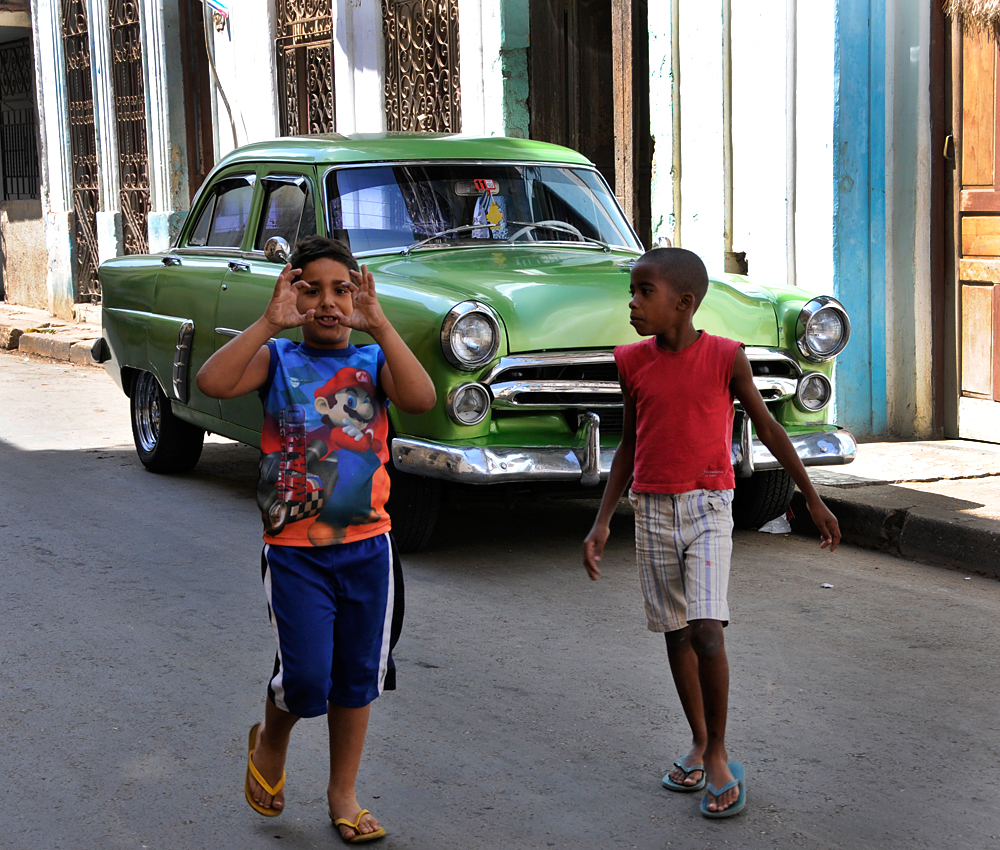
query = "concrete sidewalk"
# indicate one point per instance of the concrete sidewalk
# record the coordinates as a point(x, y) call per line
point(934, 501)
point(40, 334)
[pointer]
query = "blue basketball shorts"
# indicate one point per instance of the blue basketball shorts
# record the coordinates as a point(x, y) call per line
point(336, 612)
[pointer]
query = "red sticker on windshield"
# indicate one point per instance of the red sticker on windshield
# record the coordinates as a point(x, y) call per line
point(486, 185)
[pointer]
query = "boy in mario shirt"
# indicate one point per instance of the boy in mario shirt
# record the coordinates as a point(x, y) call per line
point(679, 386)
point(331, 577)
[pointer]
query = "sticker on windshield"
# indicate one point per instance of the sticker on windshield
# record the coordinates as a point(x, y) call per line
point(491, 213)
point(486, 186)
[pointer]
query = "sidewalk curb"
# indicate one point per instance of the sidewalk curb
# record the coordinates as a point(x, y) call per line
point(58, 347)
point(908, 523)
point(35, 333)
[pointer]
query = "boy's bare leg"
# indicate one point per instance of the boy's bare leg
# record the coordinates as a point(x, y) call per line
point(348, 727)
point(269, 753)
point(684, 668)
point(709, 645)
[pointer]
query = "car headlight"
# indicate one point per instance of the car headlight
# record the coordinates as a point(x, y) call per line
point(822, 329)
point(813, 392)
point(468, 404)
point(470, 335)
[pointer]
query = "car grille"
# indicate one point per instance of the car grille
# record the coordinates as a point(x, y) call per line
point(587, 381)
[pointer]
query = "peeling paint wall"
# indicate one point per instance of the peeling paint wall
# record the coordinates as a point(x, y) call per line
point(25, 260)
point(515, 26)
point(859, 211)
point(661, 121)
point(909, 395)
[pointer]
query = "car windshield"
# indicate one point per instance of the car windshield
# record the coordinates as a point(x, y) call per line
point(386, 207)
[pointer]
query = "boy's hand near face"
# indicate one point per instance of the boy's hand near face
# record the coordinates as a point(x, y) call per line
point(282, 310)
point(367, 316)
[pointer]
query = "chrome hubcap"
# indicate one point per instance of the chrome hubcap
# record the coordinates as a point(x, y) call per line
point(147, 411)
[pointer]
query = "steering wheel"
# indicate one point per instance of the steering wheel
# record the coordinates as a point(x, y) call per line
point(560, 226)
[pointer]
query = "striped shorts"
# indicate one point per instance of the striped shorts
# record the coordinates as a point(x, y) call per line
point(683, 546)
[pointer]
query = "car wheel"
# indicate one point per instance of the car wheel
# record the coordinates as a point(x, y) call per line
point(762, 497)
point(413, 506)
point(163, 442)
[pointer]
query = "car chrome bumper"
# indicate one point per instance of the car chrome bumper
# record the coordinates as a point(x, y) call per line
point(495, 465)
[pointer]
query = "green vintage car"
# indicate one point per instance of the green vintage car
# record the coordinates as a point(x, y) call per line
point(504, 263)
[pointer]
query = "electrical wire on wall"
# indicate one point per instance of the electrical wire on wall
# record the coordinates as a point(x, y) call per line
point(215, 76)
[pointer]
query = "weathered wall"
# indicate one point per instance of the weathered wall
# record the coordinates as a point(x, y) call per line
point(25, 261)
point(515, 25)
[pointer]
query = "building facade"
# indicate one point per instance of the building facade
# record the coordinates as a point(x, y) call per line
point(797, 142)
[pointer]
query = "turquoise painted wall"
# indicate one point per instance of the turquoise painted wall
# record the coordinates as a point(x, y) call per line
point(859, 247)
point(515, 28)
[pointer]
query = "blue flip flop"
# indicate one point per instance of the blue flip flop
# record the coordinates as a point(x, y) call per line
point(739, 779)
point(676, 786)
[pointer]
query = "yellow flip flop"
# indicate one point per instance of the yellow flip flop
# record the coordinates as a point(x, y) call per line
point(359, 836)
point(252, 771)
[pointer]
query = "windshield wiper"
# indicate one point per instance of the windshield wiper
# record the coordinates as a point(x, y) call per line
point(449, 232)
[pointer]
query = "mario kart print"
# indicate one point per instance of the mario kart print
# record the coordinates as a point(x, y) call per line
point(319, 460)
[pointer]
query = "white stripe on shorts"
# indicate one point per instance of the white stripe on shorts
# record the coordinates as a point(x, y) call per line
point(390, 598)
point(683, 546)
point(277, 685)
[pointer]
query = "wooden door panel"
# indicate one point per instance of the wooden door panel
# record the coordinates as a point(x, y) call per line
point(996, 347)
point(977, 333)
point(978, 116)
point(979, 248)
point(981, 236)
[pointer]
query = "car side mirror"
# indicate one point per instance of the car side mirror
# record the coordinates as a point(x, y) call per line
point(276, 250)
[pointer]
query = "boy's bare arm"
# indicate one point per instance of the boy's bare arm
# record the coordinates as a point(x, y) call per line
point(622, 468)
point(241, 365)
point(403, 378)
point(773, 436)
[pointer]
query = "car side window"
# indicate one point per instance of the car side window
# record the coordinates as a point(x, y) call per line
point(288, 211)
point(223, 218)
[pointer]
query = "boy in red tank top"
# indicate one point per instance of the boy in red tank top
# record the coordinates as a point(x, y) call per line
point(679, 386)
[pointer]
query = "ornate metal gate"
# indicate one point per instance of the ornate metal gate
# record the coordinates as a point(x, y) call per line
point(304, 48)
point(421, 65)
point(83, 146)
point(130, 115)
point(18, 125)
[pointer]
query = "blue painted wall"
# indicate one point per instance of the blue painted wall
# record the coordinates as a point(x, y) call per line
point(859, 247)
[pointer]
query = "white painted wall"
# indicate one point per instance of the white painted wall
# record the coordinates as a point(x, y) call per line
point(481, 67)
point(814, 146)
point(359, 66)
point(661, 121)
point(244, 61)
point(702, 211)
point(763, 186)
point(760, 195)
point(54, 154)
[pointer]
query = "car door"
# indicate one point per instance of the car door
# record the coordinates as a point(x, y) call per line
point(189, 282)
point(286, 209)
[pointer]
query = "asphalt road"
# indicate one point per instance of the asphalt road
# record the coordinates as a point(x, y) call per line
point(534, 708)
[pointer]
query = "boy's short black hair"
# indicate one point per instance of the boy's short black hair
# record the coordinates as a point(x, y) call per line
point(683, 269)
point(321, 247)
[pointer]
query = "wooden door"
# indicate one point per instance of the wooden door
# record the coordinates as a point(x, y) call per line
point(592, 95)
point(979, 248)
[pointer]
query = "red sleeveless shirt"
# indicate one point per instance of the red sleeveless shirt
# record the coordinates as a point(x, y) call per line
point(684, 413)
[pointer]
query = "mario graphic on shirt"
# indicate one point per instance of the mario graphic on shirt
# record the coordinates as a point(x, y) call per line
point(327, 472)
